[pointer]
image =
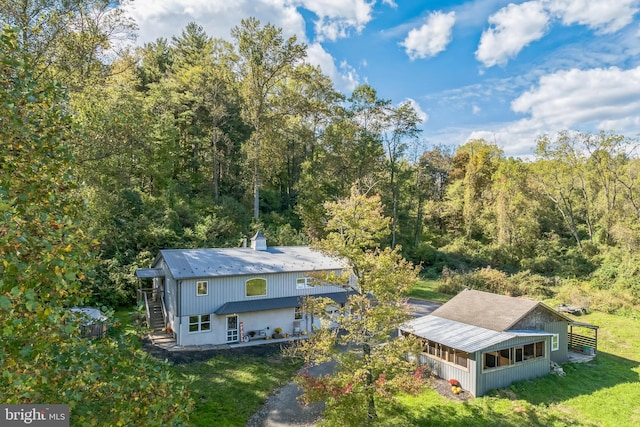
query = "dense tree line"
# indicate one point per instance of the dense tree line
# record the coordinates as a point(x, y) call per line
point(196, 141)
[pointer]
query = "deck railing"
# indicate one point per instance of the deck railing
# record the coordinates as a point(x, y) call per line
point(582, 344)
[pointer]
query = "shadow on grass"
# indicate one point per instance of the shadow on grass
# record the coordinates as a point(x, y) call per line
point(604, 372)
point(480, 413)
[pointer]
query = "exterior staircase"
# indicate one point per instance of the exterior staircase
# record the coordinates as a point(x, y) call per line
point(155, 317)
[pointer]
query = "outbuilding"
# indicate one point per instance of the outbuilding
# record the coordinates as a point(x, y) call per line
point(487, 341)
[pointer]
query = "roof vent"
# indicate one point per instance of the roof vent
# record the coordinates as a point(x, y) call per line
point(259, 242)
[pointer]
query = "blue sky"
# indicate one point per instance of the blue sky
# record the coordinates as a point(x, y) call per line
point(494, 69)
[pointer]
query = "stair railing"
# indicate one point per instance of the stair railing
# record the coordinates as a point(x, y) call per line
point(164, 311)
point(146, 305)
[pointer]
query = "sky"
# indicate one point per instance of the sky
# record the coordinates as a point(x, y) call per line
point(505, 71)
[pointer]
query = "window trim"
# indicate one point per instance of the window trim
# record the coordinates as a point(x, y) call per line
point(199, 323)
point(246, 283)
point(305, 283)
point(206, 287)
point(555, 342)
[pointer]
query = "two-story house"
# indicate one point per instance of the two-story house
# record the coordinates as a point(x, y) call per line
point(230, 295)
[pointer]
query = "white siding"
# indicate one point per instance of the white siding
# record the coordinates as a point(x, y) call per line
point(266, 320)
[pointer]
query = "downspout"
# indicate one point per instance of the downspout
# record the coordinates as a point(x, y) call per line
point(179, 309)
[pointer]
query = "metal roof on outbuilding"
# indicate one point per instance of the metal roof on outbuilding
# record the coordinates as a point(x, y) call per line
point(461, 336)
point(219, 262)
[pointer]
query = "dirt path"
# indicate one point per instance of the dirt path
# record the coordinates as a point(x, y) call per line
point(283, 409)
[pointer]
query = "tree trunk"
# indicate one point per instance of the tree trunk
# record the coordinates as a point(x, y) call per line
point(371, 410)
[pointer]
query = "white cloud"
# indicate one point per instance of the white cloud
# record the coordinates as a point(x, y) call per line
point(336, 18)
point(431, 38)
point(475, 110)
point(514, 27)
point(167, 18)
point(422, 116)
point(583, 97)
point(586, 100)
point(603, 16)
point(344, 77)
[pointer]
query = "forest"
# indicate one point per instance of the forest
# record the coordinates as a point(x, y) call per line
point(195, 141)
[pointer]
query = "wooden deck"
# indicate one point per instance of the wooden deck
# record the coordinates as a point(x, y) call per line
point(580, 357)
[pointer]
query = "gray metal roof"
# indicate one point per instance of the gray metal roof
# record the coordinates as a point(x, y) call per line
point(461, 336)
point(218, 262)
point(274, 303)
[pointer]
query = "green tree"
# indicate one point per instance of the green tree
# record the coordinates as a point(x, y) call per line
point(47, 256)
point(400, 130)
point(265, 59)
point(349, 150)
point(68, 41)
point(431, 182)
point(374, 365)
point(560, 173)
point(517, 210)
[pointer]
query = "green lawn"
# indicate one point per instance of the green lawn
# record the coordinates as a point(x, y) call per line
point(427, 289)
point(227, 390)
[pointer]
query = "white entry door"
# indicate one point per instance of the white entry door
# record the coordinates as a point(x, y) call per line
point(232, 329)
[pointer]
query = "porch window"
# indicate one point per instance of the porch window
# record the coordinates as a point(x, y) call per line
point(200, 323)
point(202, 288)
point(297, 313)
point(512, 355)
point(256, 287)
point(448, 354)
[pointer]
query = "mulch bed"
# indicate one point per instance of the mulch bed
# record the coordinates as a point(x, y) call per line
point(444, 388)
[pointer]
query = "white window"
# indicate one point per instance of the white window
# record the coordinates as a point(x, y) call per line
point(555, 342)
point(256, 287)
point(202, 288)
point(303, 283)
point(200, 323)
point(297, 313)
